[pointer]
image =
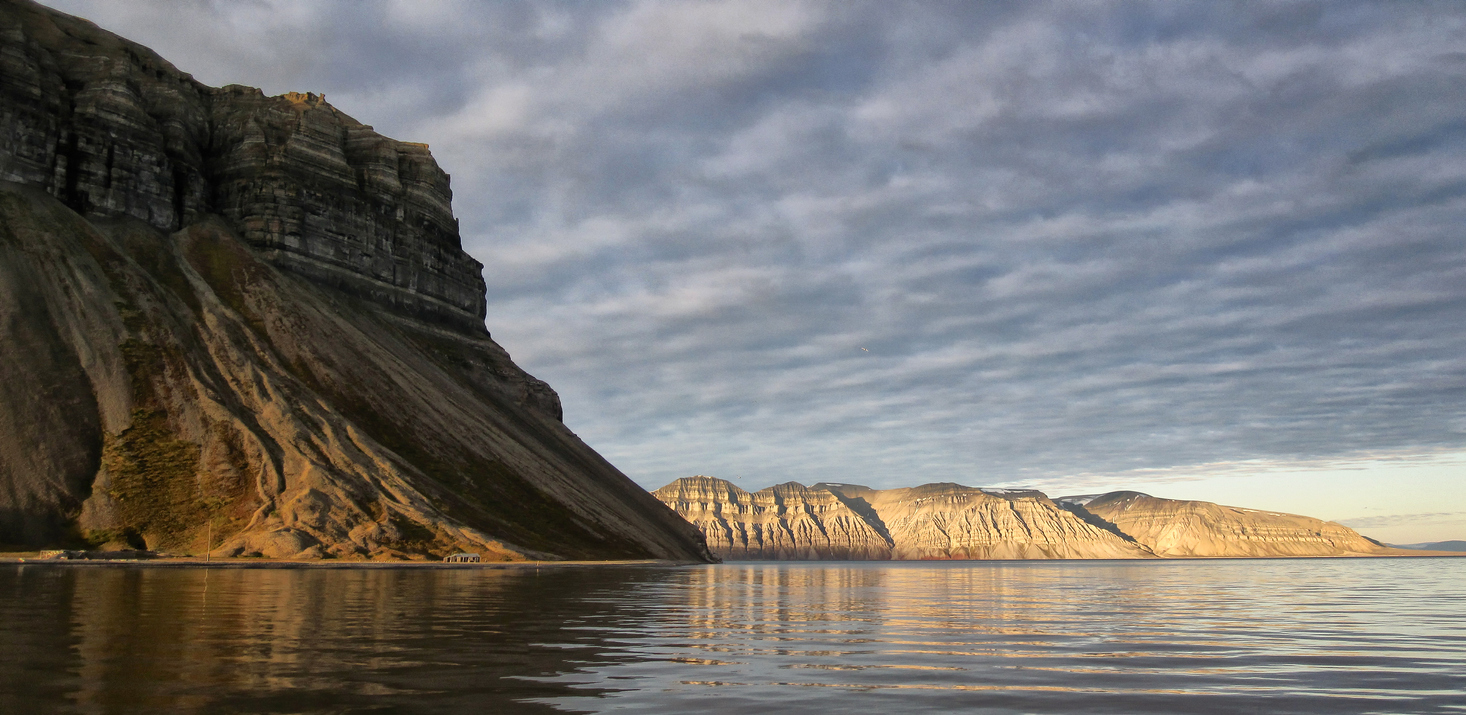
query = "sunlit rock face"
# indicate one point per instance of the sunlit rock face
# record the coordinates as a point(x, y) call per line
point(1172, 527)
point(842, 521)
point(784, 522)
point(243, 324)
point(950, 521)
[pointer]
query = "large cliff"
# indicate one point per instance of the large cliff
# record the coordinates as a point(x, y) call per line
point(110, 128)
point(784, 522)
point(245, 324)
point(1175, 527)
point(950, 521)
point(931, 522)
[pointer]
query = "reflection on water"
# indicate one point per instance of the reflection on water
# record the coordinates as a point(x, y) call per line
point(1316, 636)
point(116, 639)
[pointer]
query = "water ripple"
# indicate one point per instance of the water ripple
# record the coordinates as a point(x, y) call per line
point(1277, 636)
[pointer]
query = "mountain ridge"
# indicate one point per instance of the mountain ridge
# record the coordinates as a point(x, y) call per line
point(952, 521)
point(245, 325)
point(934, 521)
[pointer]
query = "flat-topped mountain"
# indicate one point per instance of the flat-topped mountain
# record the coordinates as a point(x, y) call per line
point(1175, 527)
point(950, 521)
point(246, 324)
point(843, 521)
point(784, 522)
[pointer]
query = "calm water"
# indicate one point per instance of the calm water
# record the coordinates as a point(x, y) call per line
point(1277, 636)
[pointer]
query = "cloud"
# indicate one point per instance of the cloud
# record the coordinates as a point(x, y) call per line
point(1382, 522)
point(1074, 240)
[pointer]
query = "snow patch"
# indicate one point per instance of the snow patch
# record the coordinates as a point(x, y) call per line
point(1002, 492)
point(1078, 499)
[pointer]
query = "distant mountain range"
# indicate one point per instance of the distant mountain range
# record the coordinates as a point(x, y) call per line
point(829, 521)
point(1453, 545)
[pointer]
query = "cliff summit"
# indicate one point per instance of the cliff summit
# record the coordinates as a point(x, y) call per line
point(245, 325)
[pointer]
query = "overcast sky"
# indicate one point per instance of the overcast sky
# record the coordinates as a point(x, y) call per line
point(1072, 245)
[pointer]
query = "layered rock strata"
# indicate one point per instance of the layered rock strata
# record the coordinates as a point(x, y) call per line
point(784, 522)
point(1175, 527)
point(950, 521)
point(243, 325)
point(843, 521)
point(111, 129)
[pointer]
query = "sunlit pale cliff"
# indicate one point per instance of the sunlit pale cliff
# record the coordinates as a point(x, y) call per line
point(784, 522)
point(842, 521)
point(1174, 527)
point(949, 521)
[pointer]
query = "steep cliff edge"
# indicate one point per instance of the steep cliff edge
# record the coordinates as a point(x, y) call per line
point(784, 522)
point(1173, 527)
point(245, 324)
point(110, 128)
point(843, 521)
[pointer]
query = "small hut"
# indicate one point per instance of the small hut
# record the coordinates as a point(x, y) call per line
point(461, 558)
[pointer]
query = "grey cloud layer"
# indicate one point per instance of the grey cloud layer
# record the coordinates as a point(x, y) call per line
point(1072, 239)
point(1380, 522)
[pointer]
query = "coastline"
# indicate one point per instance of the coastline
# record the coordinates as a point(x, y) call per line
point(261, 563)
point(189, 562)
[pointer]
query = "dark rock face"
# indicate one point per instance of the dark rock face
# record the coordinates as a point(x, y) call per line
point(329, 198)
point(111, 129)
point(243, 325)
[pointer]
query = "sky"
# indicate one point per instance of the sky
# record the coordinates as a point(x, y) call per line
point(1201, 250)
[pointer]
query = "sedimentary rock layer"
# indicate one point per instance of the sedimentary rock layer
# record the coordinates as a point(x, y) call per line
point(784, 522)
point(842, 521)
point(1174, 527)
point(242, 324)
point(112, 129)
point(950, 521)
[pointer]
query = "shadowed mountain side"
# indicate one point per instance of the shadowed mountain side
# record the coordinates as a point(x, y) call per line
point(1452, 546)
point(246, 324)
point(842, 521)
point(176, 386)
point(1173, 527)
point(110, 128)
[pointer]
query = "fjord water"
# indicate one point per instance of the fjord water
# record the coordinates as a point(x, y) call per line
point(1225, 636)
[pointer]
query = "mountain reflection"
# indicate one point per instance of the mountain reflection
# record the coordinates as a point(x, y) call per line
point(1278, 636)
point(117, 639)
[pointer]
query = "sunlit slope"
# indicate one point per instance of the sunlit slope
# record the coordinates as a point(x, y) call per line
point(785, 522)
point(951, 521)
point(841, 521)
point(1174, 527)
